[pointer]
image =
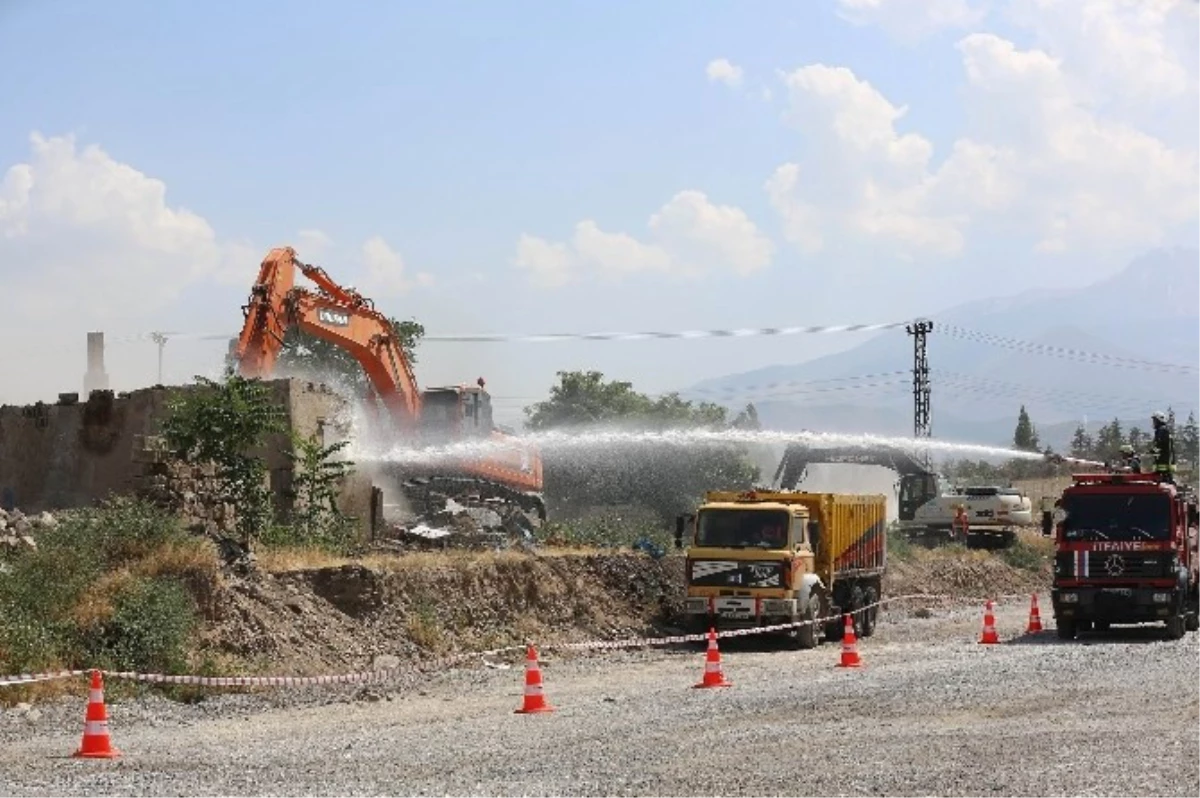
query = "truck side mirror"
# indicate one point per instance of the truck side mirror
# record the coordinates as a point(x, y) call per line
point(814, 534)
point(1047, 523)
point(679, 522)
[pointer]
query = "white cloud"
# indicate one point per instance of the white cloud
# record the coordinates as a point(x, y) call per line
point(1133, 52)
point(867, 178)
point(1041, 156)
point(385, 273)
point(912, 20)
point(92, 239)
point(690, 237)
point(720, 70)
point(548, 265)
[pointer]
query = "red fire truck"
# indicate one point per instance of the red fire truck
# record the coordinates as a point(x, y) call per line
point(1125, 553)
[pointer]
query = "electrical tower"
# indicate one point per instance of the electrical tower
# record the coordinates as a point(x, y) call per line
point(919, 329)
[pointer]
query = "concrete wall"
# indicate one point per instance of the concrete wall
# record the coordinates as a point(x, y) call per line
point(75, 454)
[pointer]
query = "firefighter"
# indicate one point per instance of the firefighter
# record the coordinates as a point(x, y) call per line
point(1163, 449)
point(1130, 461)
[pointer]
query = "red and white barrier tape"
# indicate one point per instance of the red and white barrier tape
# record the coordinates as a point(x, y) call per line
point(441, 663)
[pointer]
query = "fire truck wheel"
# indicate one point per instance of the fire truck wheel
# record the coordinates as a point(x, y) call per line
point(1192, 623)
point(1066, 630)
point(1175, 627)
point(871, 613)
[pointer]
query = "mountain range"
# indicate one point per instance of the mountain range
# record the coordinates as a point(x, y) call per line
point(1070, 356)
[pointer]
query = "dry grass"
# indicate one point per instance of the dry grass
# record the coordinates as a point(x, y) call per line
point(189, 561)
point(279, 560)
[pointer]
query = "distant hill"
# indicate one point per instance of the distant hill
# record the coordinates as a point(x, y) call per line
point(1148, 311)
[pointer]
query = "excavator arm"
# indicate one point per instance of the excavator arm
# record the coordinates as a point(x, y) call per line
point(346, 319)
point(338, 315)
point(797, 457)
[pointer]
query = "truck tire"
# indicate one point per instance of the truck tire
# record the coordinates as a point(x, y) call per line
point(871, 614)
point(806, 636)
point(857, 616)
point(1175, 627)
point(1192, 623)
point(1066, 630)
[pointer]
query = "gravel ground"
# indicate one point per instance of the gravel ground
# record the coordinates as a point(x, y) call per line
point(932, 713)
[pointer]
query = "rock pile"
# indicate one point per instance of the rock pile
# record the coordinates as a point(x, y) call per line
point(18, 531)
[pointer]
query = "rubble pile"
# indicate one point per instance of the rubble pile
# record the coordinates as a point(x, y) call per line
point(19, 531)
point(448, 523)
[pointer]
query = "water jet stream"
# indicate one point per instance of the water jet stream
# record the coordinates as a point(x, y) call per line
point(612, 439)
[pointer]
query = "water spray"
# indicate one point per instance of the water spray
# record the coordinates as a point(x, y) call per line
point(602, 440)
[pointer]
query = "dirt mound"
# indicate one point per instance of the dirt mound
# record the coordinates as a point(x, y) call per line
point(321, 620)
point(955, 571)
point(342, 616)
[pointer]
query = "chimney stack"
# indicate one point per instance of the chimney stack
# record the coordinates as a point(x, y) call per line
point(95, 379)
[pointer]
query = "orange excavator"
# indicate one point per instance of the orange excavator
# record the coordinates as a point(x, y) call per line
point(510, 473)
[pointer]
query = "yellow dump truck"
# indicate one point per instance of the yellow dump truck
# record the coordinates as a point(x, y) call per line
point(758, 558)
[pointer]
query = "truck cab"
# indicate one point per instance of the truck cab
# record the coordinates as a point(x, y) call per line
point(1125, 553)
point(766, 558)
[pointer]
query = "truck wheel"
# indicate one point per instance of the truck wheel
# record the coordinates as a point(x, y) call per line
point(1192, 623)
point(1066, 630)
point(1175, 627)
point(835, 630)
point(806, 636)
point(871, 613)
point(857, 601)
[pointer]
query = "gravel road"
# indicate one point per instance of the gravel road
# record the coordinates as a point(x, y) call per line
point(933, 713)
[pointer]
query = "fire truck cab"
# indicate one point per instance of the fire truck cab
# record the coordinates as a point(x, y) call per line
point(1125, 553)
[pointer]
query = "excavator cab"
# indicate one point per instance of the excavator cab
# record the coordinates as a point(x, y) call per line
point(914, 491)
point(456, 412)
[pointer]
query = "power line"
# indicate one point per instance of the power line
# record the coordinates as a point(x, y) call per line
point(1064, 352)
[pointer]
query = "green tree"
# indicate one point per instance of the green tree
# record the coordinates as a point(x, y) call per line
point(1139, 440)
point(224, 423)
point(317, 474)
point(1083, 445)
point(1109, 440)
point(1025, 437)
point(666, 478)
point(1188, 443)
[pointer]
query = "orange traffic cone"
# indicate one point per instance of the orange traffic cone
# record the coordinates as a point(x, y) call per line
point(850, 658)
point(534, 700)
point(1035, 618)
point(989, 635)
point(713, 675)
point(95, 744)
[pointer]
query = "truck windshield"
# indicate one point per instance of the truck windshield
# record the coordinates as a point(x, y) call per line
point(738, 529)
point(1117, 517)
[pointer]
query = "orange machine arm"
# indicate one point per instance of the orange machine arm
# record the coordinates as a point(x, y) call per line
point(337, 315)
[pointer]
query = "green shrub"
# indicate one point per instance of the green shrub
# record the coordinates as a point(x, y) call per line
point(1024, 556)
point(603, 532)
point(44, 590)
point(151, 624)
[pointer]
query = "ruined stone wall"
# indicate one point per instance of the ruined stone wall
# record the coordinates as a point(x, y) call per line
point(75, 454)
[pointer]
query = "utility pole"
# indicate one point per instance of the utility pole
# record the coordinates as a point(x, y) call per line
point(161, 340)
point(922, 428)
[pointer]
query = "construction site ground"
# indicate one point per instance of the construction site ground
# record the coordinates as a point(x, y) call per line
point(932, 713)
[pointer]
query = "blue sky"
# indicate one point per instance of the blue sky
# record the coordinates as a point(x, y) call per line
point(446, 131)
